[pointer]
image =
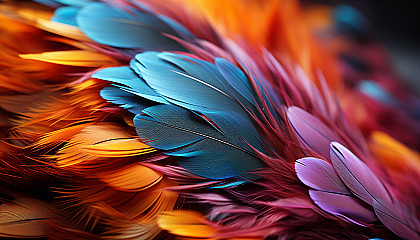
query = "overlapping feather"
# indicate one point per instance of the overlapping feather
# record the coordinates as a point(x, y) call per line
point(342, 185)
point(218, 123)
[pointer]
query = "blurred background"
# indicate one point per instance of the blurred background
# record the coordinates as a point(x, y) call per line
point(396, 26)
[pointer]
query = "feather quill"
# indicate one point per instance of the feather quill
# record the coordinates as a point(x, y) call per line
point(214, 151)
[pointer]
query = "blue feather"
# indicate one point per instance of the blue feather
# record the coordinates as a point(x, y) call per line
point(177, 27)
point(127, 80)
point(115, 27)
point(227, 185)
point(190, 83)
point(206, 151)
point(269, 97)
point(236, 78)
point(65, 15)
point(125, 99)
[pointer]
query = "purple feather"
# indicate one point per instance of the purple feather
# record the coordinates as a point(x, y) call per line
point(319, 175)
point(332, 195)
point(407, 229)
point(358, 177)
point(344, 206)
point(364, 184)
point(311, 132)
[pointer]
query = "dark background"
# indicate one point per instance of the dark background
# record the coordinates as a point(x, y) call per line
point(396, 25)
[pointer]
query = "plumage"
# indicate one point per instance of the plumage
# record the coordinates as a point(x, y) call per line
point(365, 185)
point(208, 89)
point(115, 27)
point(210, 119)
point(66, 15)
point(348, 178)
point(83, 58)
point(127, 80)
point(329, 192)
point(186, 223)
point(25, 218)
point(223, 142)
point(311, 132)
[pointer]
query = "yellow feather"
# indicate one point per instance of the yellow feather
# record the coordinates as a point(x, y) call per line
point(80, 58)
point(99, 141)
point(186, 223)
point(132, 178)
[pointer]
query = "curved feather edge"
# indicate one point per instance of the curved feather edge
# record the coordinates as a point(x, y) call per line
point(128, 81)
point(115, 27)
point(311, 132)
point(190, 83)
point(364, 184)
point(66, 15)
point(330, 193)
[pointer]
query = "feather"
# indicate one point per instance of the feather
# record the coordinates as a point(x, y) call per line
point(115, 27)
point(62, 29)
point(18, 103)
point(186, 223)
point(363, 183)
point(236, 78)
point(80, 58)
point(311, 132)
point(174, 75)
point(50, 3)
point(343, 206)
point(127, 80)
point(225, 148)
point(392, 153)
point(319, 175)
point(57, 231)
point(219, 121)
point(360, 181)
point(134, 177)
point(41, 20)
point(118, 148)
point(358, 176)
point(97, 142)
point(126, 100)
point(66, 15)
point(117, 228)
point(376, 91)
point(141, 206)
point(55, 137)
point(25, 218)
point(330, 193)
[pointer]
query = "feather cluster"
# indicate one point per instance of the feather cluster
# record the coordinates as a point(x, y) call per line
point(175, 119)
